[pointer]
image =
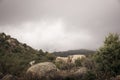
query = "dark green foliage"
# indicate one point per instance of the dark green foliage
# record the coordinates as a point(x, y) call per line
point(64, 66)
point(16, 63)
point(41, 52)
point(78, 62)
point(88, 63)
point(108, 57)
point(89, 76)
point(50, 56)
point(15, 56)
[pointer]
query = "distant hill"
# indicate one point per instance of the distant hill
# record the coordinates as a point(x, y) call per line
point(74, 52)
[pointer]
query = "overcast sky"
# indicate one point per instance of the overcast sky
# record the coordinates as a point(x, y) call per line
point(56, 25)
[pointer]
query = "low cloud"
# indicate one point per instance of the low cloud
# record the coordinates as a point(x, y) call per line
point(60, 24)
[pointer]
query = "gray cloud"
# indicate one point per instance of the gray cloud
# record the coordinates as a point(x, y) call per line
point(60, 24)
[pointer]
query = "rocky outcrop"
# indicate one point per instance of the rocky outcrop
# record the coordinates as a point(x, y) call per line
point(12, 45)
point(7, 77)
point(70, 58)
point(118, 77)
point(42, 69)
point(82, 70)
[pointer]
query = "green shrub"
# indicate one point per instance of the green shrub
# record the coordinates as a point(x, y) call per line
point(107, 57)
point(64, 66)
point(78, 62)
point(51, 56)
point(89, 76)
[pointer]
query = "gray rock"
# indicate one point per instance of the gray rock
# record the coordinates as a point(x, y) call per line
point(42, 69)
point(82, 70)
point(118, 77)
point(7, 77)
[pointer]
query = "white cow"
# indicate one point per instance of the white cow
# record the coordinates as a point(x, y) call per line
point(75, 57)
point(70, 59)
point(64, 59)
point(32, 62)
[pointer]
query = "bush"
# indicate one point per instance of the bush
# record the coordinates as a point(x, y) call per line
point(64, 66)
point(78, 62)
point(107, 58)
point(88, 63)
point(89, 76)
point(51, 57)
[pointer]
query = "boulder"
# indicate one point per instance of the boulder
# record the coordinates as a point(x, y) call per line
point(42, 69)
point(7, 77)
point(118, 77)
point(82, 70)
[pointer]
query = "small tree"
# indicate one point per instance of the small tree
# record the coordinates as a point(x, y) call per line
point(50, 56)
point(78, 62)
point(41, 51)
point(108, 57)
point(89, 75)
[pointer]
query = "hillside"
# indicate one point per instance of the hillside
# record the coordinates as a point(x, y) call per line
point(74, 52)
point(15, 59)
point(16, 56)
point(11, 45)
